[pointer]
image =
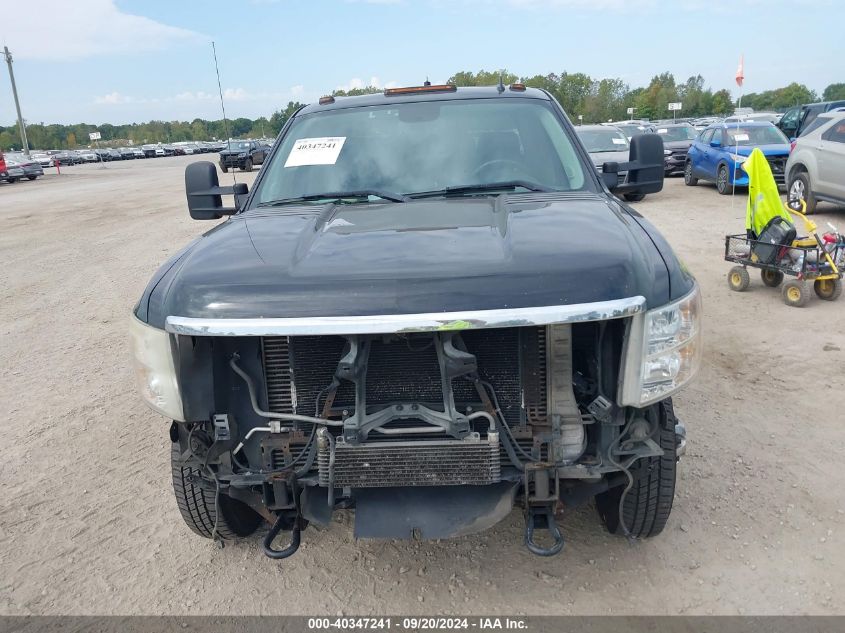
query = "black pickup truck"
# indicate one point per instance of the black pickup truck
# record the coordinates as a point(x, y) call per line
point(242, 154)
point(429, 308)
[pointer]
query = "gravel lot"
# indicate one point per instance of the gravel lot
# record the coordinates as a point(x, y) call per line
point(89, 524)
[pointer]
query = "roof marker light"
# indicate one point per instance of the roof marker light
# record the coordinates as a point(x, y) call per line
point(518, 87)
point(388, 92)
point(327, 99)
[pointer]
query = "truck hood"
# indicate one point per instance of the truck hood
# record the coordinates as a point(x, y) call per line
point(509, 251)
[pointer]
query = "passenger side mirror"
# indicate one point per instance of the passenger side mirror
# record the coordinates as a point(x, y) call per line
point(715, 143)
point(645, 166)
point(205, 193)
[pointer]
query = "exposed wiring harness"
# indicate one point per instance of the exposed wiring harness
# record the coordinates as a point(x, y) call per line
point(626, 470)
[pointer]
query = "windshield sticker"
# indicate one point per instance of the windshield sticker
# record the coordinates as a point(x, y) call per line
point(315, 151)
point(740, 137)
point(619, 141)
point(663, 130)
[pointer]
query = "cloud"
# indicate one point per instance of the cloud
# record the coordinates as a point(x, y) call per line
point(357, 82)
point(297, 90)
point(61, 30)
point(113, 98)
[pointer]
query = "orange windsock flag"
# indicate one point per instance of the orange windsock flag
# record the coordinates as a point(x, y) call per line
point(740, 72)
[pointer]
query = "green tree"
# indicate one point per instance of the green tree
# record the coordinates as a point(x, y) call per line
point(834, 92)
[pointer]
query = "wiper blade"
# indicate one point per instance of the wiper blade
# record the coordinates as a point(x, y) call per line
point(337, 195)
point(482, 188)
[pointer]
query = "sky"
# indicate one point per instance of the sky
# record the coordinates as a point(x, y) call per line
point(124, 61)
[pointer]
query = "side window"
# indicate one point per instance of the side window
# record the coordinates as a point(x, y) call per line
point(836, 134)
point(790, 118)
point(815, 125)
point(707, 136)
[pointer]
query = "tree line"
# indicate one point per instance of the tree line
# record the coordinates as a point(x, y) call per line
point(595, 100)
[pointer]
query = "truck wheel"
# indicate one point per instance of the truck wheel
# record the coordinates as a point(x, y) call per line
point(795, 294)
point(828, 289)
point(247, 165)
point(799, 189)
point(689, 179)
point(224, 169)
point(772, 278)
point(32, 177)
point(738, 278)
point(649, 501)
point(723, 185)
point(634, 197)
point(197, 506)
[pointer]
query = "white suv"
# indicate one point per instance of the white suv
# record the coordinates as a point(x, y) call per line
point(816, 167)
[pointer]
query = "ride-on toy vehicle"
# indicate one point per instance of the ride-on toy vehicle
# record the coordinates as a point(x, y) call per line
point(807, 259)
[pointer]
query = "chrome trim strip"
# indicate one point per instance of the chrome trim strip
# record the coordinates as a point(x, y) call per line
point(399, 323)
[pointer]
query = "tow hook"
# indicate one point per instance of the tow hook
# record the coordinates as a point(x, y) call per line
point(540, 509)
point(680, 439)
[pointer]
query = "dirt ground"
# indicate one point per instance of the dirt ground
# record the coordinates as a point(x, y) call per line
point(89, 524)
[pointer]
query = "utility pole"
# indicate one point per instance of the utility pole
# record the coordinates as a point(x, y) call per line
point(24, 142)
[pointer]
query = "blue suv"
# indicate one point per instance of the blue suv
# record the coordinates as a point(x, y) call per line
point(719, 151)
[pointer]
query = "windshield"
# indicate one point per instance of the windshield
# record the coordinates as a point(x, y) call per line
point(605, 139)
point(680, 133)
point(238, 145)
point(412, 148)
point(755, 135)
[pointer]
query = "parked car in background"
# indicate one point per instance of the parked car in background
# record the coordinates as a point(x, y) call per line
point(31, 168)
point(702, 122)
point(242, 154)
point(149, 150)
point(719, 151)
point(43, 158)
point(137, 152)
point(816, 167)
point(127, 153)
point(88, 156)
point(66, 157)
point(633, 128)
point(677, 138)
point(795, 120)
point(114, 154)
point(766, 117)
point(607, 144)
point(9, 173)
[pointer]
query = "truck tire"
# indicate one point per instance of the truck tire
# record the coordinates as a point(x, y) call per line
point(634, 197)
point(198, 509)
point(247, 166)
point(649, 501)
point(224, 169)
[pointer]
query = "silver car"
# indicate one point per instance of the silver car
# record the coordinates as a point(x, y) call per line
point(816, 167)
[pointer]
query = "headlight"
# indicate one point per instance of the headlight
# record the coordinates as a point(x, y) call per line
point(664, 351)
point(155, 371)
point(242, 155)
point(667, 152)
point(736, 158)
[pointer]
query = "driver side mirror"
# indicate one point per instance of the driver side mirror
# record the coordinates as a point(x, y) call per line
point(715, 143)
point(204, 192)
point(645, 167)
